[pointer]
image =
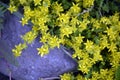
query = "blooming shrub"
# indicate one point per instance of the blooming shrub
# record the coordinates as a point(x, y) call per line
point(90, 27)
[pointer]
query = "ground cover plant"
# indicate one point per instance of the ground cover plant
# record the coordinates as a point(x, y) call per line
point(91, 28)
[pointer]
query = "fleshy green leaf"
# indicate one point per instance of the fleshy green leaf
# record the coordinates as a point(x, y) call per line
point(106, 8)
point(117, 73)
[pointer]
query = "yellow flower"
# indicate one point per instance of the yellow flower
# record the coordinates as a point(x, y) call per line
point(80, 77)
point(28, 12)
point(79, 39)
point(74, 21)
point(104, 42)
point(37, 2)
point(36, 15)
point(46, 3)
point(45, 38)
point(12, 8)
point(76, 41)
point(75, 8)
point(66, 31)
point(115, 18)
point(18, 49)
point(43, 50)
point(64, 18)
point(66, 76)
point(22, 1)
point(88, 3)
point(29, 37)
point(86, 15)
point(105, 20)
point(112, 34)
point(16, 52)
point(35, 28)
point(41, 20)
point(97, 57)
point(57, 8)
point(96, 76)
point(112, 47)
point(85, 65)
point(77, 1)
point(44, 10)
point(83, 24)
point(104, 74)
point(43, 29)
point(115, 59)
point(96, 23)
point(24, 21)
point(54, 42)
point(78, 53)
point(89, 45)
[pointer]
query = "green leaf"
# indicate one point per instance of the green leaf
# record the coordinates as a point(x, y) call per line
point(6, 53)
point(113, 6)
point(99, 3)
point(117, 73)
point(105, 8)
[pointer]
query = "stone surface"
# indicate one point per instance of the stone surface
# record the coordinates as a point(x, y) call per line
point(32, 66)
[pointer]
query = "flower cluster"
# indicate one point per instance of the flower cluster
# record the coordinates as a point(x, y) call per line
point(18, 49)
point(94, 38)
point(66, 76)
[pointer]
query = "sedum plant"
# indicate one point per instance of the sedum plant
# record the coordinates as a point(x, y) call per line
point(91, 28)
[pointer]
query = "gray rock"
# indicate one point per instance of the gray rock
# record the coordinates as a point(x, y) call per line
point(31, 66)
